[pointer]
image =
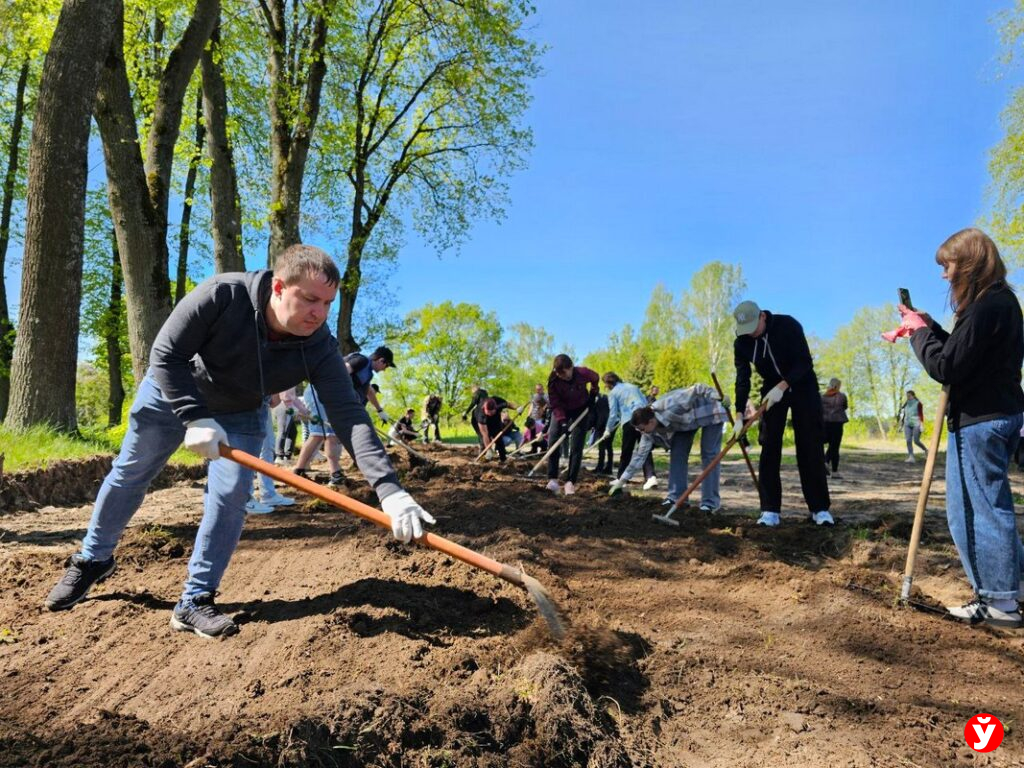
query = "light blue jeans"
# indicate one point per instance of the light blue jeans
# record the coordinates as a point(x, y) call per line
point(679, 458)
point(266, 482)
point(154, 433)
point(979, 506)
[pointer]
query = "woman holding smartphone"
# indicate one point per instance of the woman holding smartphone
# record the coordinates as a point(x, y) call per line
point(980, 361)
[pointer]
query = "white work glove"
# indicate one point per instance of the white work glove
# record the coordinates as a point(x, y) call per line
point(204, 436)
point(407, 517)
point(774, 396)
point(606, 436)
point(737, 428)
point(616, 487)
point(383, 416)
point(490, 454)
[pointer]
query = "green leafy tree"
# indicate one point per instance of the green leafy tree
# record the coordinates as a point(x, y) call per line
point(715, 290)
point(426, 112)
point(446, 348)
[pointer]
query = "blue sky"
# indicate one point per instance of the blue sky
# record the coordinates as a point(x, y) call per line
point(828, 148)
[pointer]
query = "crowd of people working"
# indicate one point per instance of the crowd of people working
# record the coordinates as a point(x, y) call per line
point(206, 389)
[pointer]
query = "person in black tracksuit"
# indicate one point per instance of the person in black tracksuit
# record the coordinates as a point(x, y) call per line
point(487, 419)
point(776, 346)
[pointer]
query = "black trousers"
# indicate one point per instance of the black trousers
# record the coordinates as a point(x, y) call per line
point(807, 431)
point(605, 454)
point(575, 441)
point(833, 437)
point(432, 418)
point(630, 437)
point(493, 428)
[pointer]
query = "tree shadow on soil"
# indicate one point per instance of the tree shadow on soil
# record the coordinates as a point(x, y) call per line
point(415, 611)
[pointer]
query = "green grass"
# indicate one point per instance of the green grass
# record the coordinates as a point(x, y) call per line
point(39, 446)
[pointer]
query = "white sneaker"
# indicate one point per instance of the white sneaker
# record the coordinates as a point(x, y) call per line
point(823, 518)
point(277, 500)
point(909, 460)
point(253, 507)
point(553, 486)
point(652, 482)
point(771, 519)
point(978, 611)
point(569, 489)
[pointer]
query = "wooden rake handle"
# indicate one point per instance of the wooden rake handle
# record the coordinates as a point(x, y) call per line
point(728, 413)
point(375, 516)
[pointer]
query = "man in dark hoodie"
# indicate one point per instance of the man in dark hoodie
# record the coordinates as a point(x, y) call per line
point(777, 348)
point(231, 341)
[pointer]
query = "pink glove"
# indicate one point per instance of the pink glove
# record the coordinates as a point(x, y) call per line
point(891, 336)
point(912, 320)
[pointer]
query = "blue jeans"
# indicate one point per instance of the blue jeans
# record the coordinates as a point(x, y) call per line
point(679, 458)
point(267, 489)
point(979, 506)
point(154, 433)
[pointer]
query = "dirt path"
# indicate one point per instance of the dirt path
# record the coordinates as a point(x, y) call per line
point(714, 644)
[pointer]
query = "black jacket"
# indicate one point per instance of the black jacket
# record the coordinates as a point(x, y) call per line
point(980, 359)
point(781, 352)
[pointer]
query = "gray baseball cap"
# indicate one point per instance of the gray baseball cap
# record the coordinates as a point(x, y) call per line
point(747, 315)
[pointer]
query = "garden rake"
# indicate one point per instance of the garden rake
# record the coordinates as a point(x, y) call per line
point(545, 605)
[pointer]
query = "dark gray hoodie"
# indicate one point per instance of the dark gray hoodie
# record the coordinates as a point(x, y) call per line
point(212, 356)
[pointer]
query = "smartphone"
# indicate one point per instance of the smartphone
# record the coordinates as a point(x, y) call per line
point(904, 295)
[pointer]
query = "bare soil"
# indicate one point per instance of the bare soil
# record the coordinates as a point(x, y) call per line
point(713, 644)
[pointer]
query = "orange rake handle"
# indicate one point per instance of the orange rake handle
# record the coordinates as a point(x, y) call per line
point(375, 516)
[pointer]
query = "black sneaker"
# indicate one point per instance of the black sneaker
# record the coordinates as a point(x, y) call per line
point(303, 473)
point(337, 480)
point(77, 580)
point(201, 616)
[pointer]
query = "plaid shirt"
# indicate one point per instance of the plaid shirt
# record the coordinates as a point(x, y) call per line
point(681, 410)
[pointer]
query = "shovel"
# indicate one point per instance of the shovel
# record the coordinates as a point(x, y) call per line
point(667, 517)
point(540, 596)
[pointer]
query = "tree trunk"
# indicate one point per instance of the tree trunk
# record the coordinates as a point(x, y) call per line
point(349, 290)
point(46, 352)
point(115, 396)
point(141, 240)
point(137, 191)
point(291, 128)
point(184, 232)
point(6, 343)
point(224, 200)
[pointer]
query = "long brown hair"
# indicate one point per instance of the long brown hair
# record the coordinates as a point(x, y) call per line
point(978, 266)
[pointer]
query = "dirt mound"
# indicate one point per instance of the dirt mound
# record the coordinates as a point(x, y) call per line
point(72, 482)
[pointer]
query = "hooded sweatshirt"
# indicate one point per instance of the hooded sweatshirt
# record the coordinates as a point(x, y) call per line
point(780, 353)
point(213, 356)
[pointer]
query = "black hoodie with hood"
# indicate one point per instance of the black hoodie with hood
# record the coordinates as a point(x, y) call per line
point(213, 356)
point(780, 353)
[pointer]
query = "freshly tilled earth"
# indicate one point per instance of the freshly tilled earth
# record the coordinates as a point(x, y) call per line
point(716, 643)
